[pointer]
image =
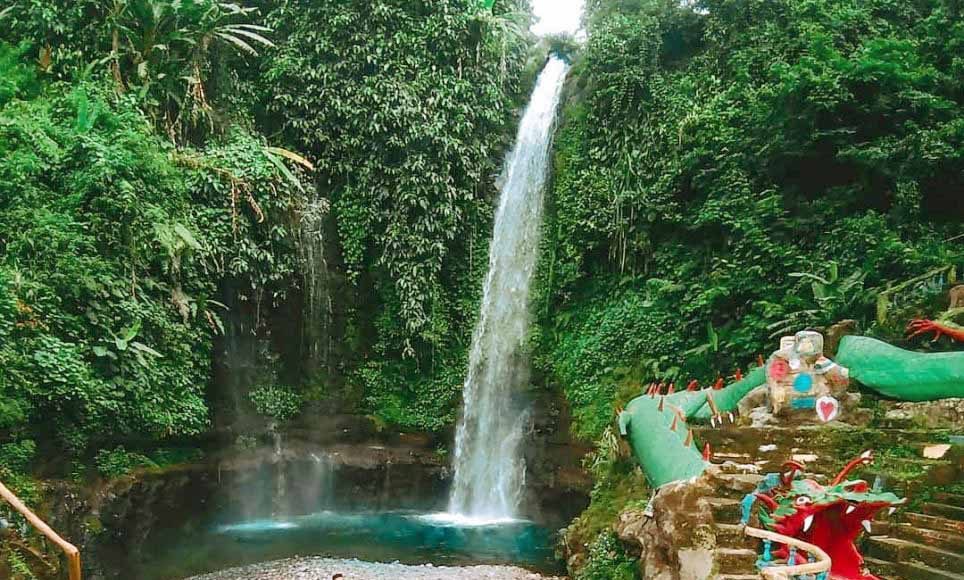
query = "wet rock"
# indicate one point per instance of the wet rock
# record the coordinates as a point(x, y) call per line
point(678, 541)
point(931, 414)
point(326, 568)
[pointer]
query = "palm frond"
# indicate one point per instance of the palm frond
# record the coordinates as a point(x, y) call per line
point(244, 46)
point(248, 34)
point(292, 156)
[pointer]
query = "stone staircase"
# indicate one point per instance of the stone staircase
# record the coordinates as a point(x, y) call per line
point(736, 553)
point(922, 546)
point(927, 545)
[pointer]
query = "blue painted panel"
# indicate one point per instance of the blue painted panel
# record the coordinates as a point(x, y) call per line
point(803, 383)
point(804, 403)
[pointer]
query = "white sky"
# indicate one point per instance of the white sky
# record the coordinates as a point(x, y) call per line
point(554, 16)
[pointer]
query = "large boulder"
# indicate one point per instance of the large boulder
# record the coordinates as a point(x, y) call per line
point(675, 536)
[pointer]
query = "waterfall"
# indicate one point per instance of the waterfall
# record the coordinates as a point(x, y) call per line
point(489, 468)
point(317, 296)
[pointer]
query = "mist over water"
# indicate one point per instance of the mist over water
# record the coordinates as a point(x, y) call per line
point(489, 468)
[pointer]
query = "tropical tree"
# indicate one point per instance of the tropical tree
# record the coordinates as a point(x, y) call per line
point(163, 49)
point(165, 52)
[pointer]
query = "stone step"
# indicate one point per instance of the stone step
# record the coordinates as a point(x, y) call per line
point(882, 568)
point(743, 483)
point(821, 440)
point(934, 450)
point(736, 485)
point(897, 550)
point(725, 510)
point(944, 540)
point(908, 571)
point(736, 560)
point(951, 512)
point(954, 499)
point(732, 536)
point(935, 523)
point(880, 527)
point(738, 577)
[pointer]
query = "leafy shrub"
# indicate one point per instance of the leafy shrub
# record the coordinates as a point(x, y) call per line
point(16, 77)
point(17, 456)
point(118, 461)
point(411, 177)
point(276, 402)
point(608, 561)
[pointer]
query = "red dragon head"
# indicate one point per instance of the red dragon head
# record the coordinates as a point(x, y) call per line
point(830, 517)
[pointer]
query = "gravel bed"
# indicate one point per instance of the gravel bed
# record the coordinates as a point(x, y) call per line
point(326, 568)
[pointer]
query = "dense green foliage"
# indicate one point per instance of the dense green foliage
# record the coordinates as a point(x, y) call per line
point(729, 172)
point(112, 246)
point(169, 54)
point(406, 109)
point(145, 221)
point(726, 171)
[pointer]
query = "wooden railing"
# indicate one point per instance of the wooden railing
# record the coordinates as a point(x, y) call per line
point(71, 551)
point(819, 567)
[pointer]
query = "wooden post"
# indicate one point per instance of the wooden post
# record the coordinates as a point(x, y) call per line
point(73, 554)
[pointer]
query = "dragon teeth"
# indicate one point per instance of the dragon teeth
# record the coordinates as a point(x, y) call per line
point(807, 523)
point(866, 525)
point(891, 511)
point(851, 509)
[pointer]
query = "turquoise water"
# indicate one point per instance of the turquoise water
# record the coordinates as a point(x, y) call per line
point(405, 537)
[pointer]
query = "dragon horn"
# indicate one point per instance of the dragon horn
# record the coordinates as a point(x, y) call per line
point(671, 389)
point(771, 503)
point(794, 467)
point(865, 458)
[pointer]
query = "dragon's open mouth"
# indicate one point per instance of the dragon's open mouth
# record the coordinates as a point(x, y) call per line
point(835, 527)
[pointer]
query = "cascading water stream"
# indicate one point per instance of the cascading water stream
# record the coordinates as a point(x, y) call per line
point(489, 468)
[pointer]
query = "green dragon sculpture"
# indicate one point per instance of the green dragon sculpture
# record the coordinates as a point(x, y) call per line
point(829, 517)
point(656, 424)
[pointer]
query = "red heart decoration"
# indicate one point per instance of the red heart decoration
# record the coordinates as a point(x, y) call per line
point(826, 409)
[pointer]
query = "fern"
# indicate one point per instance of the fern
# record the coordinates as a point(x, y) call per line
point(18, 566)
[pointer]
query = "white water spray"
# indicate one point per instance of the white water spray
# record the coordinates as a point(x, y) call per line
point(489, 468)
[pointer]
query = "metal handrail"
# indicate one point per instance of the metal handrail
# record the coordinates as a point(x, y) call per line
point(71, 551)
point(820, 565)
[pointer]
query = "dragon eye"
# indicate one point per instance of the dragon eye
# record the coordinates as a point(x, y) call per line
point(803, 500)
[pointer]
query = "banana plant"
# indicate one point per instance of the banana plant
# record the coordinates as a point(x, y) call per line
point(162, 48)
point(833, 290)
point(833, 297)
